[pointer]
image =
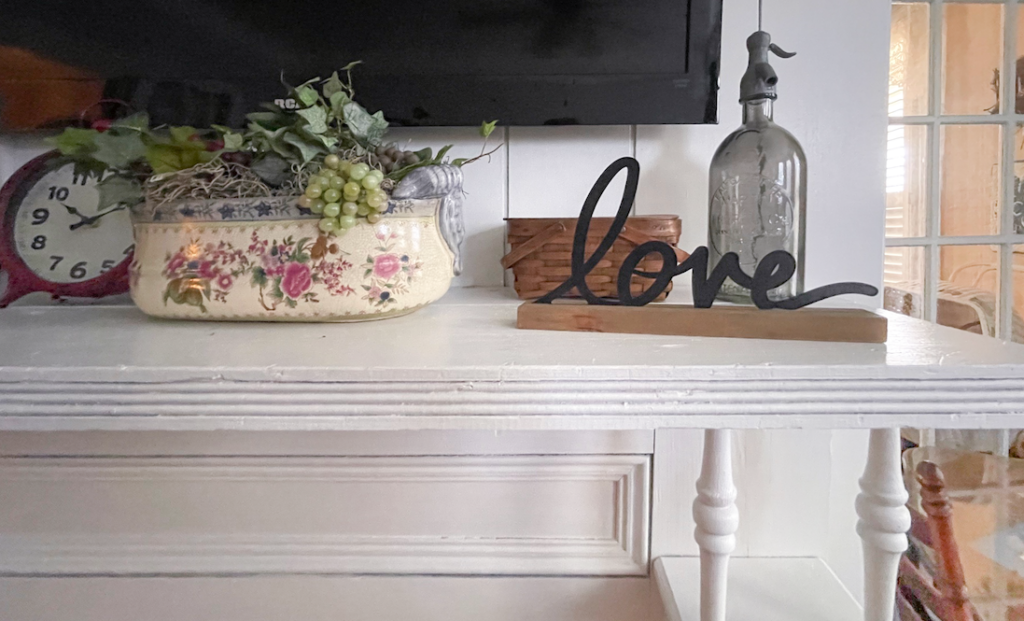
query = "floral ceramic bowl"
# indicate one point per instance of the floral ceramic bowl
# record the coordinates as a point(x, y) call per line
point(265, 259)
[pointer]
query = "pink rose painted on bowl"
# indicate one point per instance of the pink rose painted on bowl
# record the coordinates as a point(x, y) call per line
point(386, 265)
point(297, 280)
point(224, 281)
point(176, 263)
point(206, 270)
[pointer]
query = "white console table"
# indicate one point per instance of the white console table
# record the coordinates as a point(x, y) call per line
point(88, 378)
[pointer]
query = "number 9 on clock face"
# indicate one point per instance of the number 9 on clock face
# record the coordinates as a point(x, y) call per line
point(56, 238)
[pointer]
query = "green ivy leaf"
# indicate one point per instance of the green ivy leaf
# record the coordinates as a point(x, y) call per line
point(381, 125)
point(338, 101)
point(182, 135)
point(74, 141)
point(88, 167)
point(306, 94)
point(316, 118)
point(273, 120)
point(273, 139)
point(307, 149)
point(116, 190)
point(137, 122)
point(459, 161)
point(324, 139)
point(439, 158)
point(400, 174)
point(333, 85)
point(367, 129)
point(272, 168)
point(118, 151)
point(233, 141)
point(486, 128)
point(164, 158)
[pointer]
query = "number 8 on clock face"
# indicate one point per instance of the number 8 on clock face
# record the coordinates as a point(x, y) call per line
point(55, 238)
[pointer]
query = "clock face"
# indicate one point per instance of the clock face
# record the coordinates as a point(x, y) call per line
point(61, 235)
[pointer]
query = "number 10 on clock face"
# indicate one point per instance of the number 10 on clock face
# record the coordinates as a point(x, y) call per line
point(63, 242)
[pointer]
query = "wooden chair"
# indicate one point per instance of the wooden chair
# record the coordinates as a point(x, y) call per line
point(931, 586)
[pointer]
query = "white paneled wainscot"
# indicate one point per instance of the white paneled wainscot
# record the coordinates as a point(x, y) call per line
point(518, 515)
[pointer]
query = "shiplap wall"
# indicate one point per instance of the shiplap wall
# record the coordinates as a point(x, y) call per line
point(832, 97)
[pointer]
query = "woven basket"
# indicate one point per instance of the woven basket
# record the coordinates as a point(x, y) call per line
point(542, 248)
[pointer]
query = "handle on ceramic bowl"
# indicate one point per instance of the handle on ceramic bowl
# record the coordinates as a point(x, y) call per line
point(444, 182)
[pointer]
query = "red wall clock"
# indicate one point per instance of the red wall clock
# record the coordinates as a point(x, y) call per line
point(54, 239)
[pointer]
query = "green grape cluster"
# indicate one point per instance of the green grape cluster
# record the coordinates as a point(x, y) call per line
point(342, 191)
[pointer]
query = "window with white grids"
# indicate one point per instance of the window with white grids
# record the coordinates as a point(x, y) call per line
point(955, 165)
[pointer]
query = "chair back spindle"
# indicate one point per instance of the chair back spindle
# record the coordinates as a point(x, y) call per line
point(936, 504)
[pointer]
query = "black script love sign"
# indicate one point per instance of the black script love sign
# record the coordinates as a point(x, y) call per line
point(773, 270)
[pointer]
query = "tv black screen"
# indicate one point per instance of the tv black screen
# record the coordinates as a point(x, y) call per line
point(438, 62)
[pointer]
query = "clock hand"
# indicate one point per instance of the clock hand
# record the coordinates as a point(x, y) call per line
point(93, 219)
point(73, 211)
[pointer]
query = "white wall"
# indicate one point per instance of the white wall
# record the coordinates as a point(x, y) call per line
point(833, 98)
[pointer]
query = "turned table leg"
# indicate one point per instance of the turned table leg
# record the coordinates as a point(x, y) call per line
point(717, 518)
point(883, 524)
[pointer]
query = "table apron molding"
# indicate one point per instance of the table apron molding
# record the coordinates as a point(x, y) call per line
point(510, 374)
point(825, 403)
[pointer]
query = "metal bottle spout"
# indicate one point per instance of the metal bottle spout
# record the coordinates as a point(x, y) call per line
point(760, 79)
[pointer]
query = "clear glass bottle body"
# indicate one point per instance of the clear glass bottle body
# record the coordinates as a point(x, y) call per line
point(758, 195)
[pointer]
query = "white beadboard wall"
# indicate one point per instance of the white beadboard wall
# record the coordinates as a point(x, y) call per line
point(832, 97)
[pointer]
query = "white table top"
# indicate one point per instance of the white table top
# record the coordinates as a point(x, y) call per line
point(461, 363)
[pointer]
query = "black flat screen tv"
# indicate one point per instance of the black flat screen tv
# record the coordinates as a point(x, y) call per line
point(425, 62)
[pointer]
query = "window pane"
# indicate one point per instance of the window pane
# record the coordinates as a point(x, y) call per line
point(968, 288)
point(1018, 294)
point(971, 156)
point(906, 181)
point(1019, 107)
point(972, 52)
point(904, 281)
point(908, 60)
point(1018, 183)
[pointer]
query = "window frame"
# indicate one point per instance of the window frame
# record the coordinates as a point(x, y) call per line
point(932, 241)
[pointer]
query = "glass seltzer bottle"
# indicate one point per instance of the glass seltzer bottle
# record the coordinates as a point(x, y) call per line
point(758, 183)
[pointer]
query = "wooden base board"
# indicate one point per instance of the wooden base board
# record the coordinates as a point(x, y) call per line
point(805, 324)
